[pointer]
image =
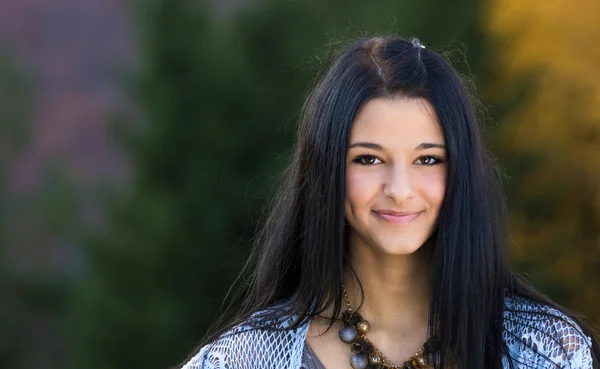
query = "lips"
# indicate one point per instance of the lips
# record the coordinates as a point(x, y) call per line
point(397, 217)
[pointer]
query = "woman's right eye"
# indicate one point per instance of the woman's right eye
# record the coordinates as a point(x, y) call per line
point(366, 160)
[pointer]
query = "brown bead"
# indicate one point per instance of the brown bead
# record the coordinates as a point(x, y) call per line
point(359, 346)
point(363, 326)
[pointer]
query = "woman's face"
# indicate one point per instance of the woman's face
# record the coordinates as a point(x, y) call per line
point(395, 176)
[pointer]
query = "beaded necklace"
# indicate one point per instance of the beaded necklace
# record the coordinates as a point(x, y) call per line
point(366, 355)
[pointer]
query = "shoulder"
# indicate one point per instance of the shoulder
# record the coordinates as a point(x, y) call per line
point(540, 336)
point(265, 340)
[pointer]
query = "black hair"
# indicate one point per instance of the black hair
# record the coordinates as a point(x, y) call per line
point(303, 239)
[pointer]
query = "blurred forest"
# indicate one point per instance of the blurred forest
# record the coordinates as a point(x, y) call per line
point(217, 93)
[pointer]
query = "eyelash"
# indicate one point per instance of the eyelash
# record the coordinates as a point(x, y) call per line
point(359, 159)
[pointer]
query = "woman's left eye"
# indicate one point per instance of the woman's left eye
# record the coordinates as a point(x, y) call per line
point(428, 160)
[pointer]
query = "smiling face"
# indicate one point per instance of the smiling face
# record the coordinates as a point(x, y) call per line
point(396, 170)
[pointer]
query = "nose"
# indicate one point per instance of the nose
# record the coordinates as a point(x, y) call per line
point(398, 184)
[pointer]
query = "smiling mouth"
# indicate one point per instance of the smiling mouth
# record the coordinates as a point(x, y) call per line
point(398, 218)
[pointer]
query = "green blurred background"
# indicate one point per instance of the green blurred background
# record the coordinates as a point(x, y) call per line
point(140, 141)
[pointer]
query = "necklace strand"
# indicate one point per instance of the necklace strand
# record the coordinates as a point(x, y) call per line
point(365, 354)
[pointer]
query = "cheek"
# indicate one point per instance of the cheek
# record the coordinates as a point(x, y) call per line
point(361, 187)
point(433, 187)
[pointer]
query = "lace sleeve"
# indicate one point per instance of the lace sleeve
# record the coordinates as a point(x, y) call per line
point(237, 349)
point(541, 337)
point(572, 349)
point(263, 342)
point(582, 357)
point(204, 360)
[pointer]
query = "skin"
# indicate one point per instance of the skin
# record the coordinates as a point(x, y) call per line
point(396, 162)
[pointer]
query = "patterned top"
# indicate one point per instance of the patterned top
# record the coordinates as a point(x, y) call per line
point(536, 335)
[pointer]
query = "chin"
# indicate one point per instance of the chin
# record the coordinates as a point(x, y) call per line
point(399, 249)
point(401, 252)
point(385, 244)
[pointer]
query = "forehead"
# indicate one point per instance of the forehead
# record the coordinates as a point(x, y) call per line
point(397, 121)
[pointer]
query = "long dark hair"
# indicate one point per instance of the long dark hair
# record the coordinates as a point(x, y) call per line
point(301, 251)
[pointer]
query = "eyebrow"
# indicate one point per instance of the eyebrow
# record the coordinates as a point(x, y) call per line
point(427, 145)
point(374, 146)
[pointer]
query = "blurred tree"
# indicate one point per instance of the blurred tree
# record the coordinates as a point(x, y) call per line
point(218, 99)
point(33, 288)
point(14, 96)
point(546, 92)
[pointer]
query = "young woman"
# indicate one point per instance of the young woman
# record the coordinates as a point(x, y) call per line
point(384, 248)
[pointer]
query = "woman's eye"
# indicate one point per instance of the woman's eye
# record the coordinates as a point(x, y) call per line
point(366, 160)
point(428, 160)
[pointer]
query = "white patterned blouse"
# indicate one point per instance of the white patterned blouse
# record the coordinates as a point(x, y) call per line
point(536, 335)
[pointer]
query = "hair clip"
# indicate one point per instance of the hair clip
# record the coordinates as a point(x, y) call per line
point(416, 43)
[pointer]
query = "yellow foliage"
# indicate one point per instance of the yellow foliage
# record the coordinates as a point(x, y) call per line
point(556, 43)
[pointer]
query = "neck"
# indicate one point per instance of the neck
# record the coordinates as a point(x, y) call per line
point(396, 289)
